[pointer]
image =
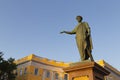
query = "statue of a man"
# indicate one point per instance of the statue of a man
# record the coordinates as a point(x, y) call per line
point(83, 39)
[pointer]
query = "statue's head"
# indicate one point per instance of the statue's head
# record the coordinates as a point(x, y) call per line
point(79, 18)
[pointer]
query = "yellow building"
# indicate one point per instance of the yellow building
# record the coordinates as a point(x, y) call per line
point(114, 73)
point(33, 67)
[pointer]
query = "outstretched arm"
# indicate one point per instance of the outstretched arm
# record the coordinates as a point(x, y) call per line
point(70, 32)
point(67, 32)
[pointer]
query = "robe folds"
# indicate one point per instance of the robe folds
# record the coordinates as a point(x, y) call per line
point(83, 40)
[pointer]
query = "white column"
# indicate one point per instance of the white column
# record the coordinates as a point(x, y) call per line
point(52, 75)
point(43, 77)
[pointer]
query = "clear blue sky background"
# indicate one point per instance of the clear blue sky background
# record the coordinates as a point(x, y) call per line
point(33, 26)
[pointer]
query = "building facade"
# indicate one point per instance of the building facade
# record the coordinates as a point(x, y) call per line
point(37, 68)
point(33, 67)
point(114, 73)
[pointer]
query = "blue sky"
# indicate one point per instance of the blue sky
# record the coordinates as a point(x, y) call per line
point(33, 26)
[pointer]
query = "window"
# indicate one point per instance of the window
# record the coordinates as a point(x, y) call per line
point(56, 76)
point(65, 77)
point(36, 71)
point(25, 70)
point(47, 73)
point(21, 71)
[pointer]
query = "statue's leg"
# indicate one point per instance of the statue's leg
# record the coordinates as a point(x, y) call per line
point(80, 49)
point(90, 55)
point(86, 55)
point(88, 48)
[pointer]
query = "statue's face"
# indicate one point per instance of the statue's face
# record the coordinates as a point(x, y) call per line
point(79, 19)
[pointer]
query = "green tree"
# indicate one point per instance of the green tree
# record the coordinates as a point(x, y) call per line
point(7, 68)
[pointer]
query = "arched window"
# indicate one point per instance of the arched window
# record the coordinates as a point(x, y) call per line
point(36, 71)
point(56, 76)
point(20, 71)
point(25, 70)
point(65, 76)
point(47, 73)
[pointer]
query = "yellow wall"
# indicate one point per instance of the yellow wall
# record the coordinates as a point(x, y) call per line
point(30, 68)
point(82, 78)
point(30, 74)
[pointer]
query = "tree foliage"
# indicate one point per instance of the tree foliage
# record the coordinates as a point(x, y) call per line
point(7, 68)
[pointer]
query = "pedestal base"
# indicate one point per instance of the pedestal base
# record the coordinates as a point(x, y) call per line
point(86, 71)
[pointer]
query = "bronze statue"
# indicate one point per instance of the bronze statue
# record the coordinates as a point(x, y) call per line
point(83, 39)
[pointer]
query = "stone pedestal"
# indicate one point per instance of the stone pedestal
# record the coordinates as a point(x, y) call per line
point(86, 71)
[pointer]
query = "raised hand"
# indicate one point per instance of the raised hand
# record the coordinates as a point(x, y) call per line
point(62, 32)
